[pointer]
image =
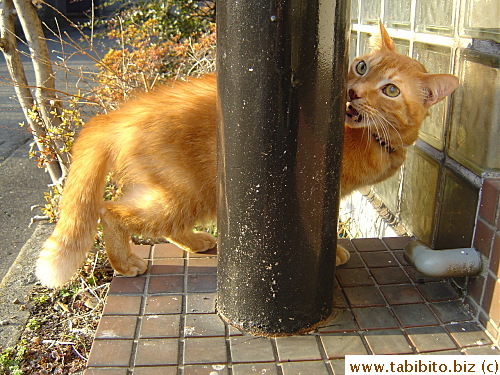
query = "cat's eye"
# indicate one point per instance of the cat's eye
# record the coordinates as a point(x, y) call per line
point(391, 90)
point(361, 68)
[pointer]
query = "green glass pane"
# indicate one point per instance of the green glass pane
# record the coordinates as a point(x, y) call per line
point(457, 215)
point(420, 183)
point(434, 16)
point(402, 46)
point(482, 19)
point(364, 44)
point(353, 46)
point(354, 11)
point(388, 191)
point(436, 60)
point(474, 134)
point(397, 14)
point(370, 12)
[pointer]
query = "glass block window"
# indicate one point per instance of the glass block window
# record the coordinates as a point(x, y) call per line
point(437, 59)
point(459, 140)
point(419, 194)
point(353, 43)
point(435, 16)
point(397, 14)
point(364, 43)
point(370, 12)
point(482, 19)
point(474, 131)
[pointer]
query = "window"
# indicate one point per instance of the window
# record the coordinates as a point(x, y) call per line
point(459, 141)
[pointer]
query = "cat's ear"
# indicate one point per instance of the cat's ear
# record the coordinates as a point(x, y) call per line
point(437, 87)
point(382, 40)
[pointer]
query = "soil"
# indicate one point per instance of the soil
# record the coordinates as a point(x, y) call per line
point(58, 336)
point(59, 333)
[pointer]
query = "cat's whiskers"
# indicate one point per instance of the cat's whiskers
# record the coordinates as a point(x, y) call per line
point(387, 122)
point(382, 133)
point(365, 114)
point(379, 119)
point(375, 124)
point(368, 130)
point(382, 130)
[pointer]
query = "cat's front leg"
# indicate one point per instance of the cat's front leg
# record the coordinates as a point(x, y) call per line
point(194, 242)
point(342, 255)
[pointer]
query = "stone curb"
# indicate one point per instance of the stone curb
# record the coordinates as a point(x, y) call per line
point(16, 284)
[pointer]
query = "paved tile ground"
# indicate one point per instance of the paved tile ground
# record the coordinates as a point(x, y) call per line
point(165, 321)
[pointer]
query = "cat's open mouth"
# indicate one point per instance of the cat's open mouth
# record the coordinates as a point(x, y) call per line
point(353, 114)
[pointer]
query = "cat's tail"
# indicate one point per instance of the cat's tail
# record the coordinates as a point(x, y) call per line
point(65, 250)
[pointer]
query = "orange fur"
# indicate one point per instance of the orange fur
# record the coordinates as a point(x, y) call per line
point(162, 147)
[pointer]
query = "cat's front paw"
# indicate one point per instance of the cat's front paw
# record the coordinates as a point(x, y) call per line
point(202, 241)
point(194, 242)
point(342, 255)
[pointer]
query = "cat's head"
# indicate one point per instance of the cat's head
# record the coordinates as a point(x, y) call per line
point(390, 94)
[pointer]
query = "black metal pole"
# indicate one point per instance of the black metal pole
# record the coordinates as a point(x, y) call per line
point(281, 69)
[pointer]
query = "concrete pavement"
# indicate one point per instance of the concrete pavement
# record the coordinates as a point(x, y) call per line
point(22, 185)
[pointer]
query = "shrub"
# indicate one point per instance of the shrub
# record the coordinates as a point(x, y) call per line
point(155, 41)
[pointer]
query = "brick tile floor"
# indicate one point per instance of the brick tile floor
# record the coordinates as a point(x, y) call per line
point(165, 322)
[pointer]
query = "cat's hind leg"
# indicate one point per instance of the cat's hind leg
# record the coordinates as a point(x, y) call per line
point(117, 243)
point(152, 212)
point(342, 255)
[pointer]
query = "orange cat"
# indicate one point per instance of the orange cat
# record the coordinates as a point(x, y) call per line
point(162, 147)
point(389, 96)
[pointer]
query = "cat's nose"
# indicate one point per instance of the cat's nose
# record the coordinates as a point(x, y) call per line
point(352, 94)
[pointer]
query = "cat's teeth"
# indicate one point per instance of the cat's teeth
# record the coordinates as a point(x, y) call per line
point(351, 111)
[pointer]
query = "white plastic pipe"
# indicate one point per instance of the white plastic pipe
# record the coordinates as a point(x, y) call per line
point(442, 263)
